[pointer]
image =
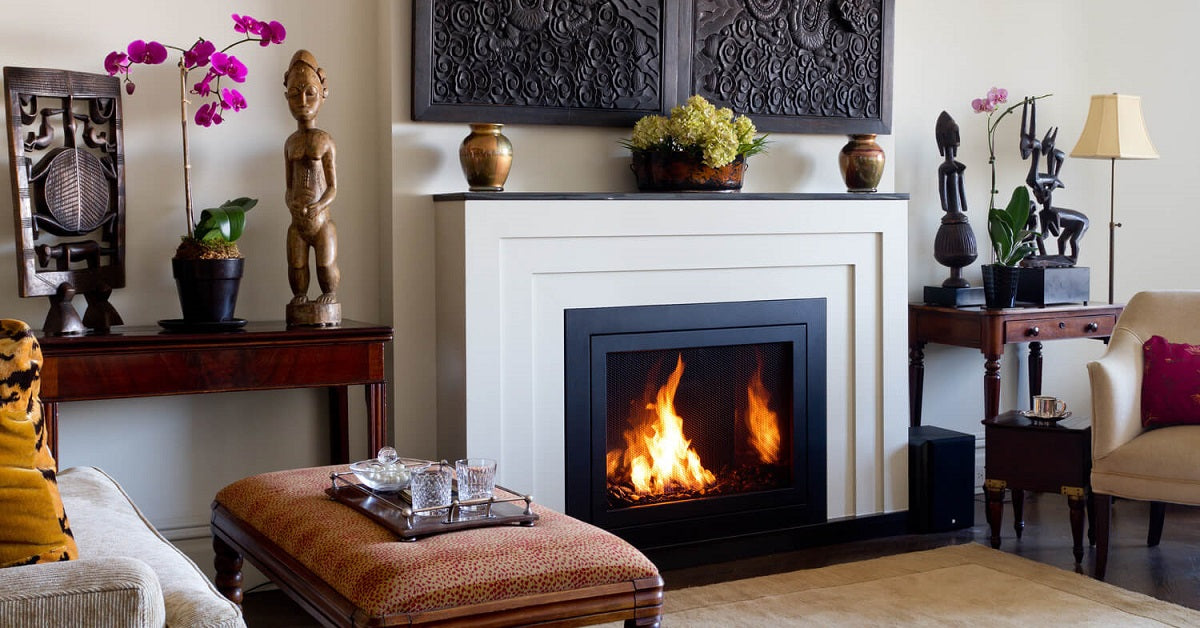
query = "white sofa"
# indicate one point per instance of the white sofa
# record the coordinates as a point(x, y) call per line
point(127, 574)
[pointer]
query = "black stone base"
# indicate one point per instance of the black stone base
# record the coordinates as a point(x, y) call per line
point(953, 297)
point(1047, 286)
point(835, 531)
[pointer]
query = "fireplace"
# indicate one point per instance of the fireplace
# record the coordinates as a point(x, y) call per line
point(692, 422)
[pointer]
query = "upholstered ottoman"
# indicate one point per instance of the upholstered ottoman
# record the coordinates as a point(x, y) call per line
point(346, 570)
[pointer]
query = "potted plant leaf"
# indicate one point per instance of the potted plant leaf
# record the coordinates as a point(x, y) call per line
point(1011, 243)
point(207, 265)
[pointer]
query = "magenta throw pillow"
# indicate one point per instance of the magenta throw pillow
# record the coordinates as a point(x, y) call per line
point(1170, 383)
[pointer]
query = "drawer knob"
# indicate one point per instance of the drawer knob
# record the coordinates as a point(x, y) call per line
point(1092, 326)
point(1033, 331)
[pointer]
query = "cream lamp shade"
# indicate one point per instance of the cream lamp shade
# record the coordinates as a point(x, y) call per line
point(1115, 130)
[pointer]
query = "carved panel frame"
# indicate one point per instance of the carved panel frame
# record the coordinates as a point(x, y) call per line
point(91, 102)
point(805, 66)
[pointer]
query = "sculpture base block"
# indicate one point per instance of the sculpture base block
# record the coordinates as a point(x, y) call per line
point(953, 297)
point(314, 314)
point(1047, 286)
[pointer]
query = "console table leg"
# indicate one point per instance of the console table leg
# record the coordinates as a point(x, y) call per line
point(50, 425)
point(376, 416)
point(1035, 370)
point(995, 508)
point(916, 382)
point(339, 426)
point(228, 563)
point(1076, 503)
point(991, 386)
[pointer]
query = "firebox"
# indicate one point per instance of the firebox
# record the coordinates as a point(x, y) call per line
point(692, 422)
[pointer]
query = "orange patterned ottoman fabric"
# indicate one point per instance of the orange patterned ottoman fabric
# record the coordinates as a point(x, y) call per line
point(382, 576)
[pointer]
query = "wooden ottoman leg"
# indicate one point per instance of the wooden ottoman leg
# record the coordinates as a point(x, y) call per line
point(228, 562)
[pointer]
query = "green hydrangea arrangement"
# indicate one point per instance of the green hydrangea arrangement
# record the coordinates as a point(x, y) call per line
point(715, 135)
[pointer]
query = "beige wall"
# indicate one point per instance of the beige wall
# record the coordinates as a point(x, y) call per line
point(947, 52)
point(172, 454)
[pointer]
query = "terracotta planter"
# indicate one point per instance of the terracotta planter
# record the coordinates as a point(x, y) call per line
point(208, 288)
point(682, 172)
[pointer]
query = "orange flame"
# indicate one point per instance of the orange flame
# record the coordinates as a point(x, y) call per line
point(762, 422)
point(660, 459)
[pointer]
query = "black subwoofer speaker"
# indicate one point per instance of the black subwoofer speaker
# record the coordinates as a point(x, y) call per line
point(941, 479)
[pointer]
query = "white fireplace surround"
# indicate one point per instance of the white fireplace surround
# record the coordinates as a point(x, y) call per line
point(510, 264)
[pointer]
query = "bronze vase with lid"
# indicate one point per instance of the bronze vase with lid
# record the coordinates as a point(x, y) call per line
point(861, 162)
point(486, 156)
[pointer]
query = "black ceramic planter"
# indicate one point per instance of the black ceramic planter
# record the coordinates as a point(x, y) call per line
point(1000, 285)
point(208, 288)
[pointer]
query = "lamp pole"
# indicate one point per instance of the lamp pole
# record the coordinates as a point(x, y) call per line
point(1112, 225)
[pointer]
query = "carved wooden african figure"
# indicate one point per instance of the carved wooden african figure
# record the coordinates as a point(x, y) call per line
point(309, 158)
point(1067, 225)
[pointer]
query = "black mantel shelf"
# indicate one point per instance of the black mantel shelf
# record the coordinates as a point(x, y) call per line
point(670, 196)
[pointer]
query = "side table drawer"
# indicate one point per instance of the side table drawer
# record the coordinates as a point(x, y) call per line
point(1055, 327)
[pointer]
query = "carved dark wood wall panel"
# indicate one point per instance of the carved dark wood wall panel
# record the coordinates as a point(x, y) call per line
point(796, 65)
point(548, 61)
point(814, 66)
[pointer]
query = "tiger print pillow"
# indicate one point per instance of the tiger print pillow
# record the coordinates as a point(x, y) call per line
point(33, 525)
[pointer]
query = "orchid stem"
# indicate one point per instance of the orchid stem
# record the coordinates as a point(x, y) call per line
point(187, 161)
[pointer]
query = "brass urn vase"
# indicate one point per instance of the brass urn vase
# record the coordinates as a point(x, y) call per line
point(486, 156)
point(861, 162)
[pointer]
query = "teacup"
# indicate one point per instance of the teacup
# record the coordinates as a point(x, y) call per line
point(1047, 407)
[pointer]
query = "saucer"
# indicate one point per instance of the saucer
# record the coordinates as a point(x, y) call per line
point(1049, 419)
point(178, 324)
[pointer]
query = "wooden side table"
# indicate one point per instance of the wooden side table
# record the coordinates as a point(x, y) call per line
point(146, 361)
point(988, 331)
point(1045, 457)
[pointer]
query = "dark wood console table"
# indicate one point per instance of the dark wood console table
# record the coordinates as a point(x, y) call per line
point(146, 361)
point(988, 331)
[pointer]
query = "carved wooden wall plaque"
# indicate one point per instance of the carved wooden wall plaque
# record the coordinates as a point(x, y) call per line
point(814, 66)
point(605, 62)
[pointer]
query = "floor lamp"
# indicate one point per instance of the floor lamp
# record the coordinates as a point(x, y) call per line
point(1114, 130)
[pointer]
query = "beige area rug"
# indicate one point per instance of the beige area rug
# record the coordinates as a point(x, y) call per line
point(959, 585)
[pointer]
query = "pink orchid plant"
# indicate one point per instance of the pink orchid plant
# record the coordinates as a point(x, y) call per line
point(216, 101)
point(989, 104)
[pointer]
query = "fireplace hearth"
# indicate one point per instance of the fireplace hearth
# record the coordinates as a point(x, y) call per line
point(692, 422)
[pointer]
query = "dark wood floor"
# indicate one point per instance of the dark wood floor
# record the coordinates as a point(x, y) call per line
point(1169, 572)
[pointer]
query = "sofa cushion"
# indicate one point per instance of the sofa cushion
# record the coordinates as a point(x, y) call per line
point(33, 523)
point(1170, 383)
point(107, 523)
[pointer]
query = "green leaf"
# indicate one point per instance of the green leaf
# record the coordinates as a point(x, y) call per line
point(226, 222)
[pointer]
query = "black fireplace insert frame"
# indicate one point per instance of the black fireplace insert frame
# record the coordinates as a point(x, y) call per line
point(592, 332)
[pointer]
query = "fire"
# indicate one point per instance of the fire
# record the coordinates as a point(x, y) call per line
point(660, 459)
point(762, 422)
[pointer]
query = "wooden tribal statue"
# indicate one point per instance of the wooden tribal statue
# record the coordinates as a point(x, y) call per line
point(954, 245)
point(1068, 225)
point(311, 187)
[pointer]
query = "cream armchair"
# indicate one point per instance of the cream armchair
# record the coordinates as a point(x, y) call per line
point(1159, 465)
point(127, 574)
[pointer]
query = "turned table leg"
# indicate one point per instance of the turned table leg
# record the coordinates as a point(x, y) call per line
point(1018, 497)
point(991, 386)
point(916, 382)
point(1035, 370)
point(228, 563)
point(995, 508)
point(1077, 503)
